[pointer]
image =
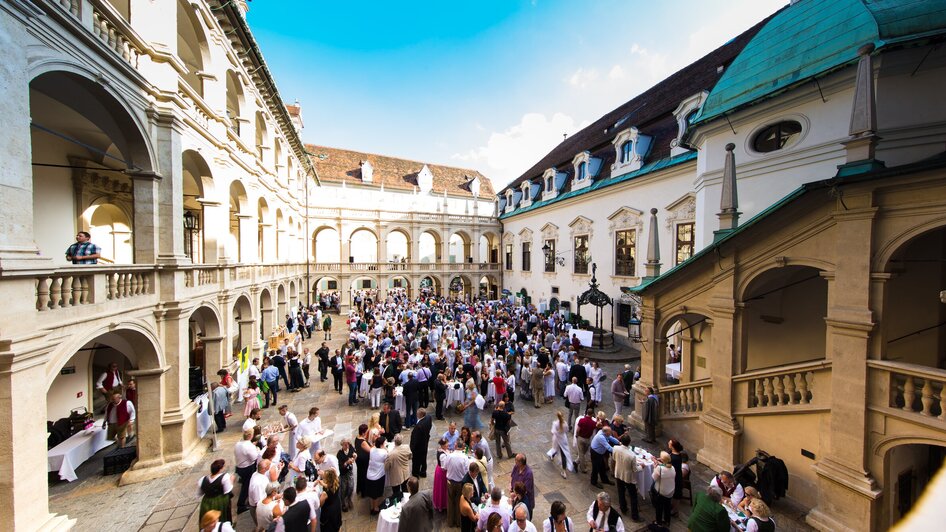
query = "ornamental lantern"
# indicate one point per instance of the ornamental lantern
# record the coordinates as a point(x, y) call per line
point(634, 328)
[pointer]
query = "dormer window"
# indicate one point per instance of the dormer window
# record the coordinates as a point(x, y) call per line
point(685, 112)
point(425, 180)
point(630, 147)
point(586, 168)
point(367, 172)
point(552, 181)
point(549, 183)
point(509, 205)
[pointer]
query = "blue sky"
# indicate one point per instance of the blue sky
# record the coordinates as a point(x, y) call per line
point(490, 85)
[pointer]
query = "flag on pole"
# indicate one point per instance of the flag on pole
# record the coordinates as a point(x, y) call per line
point(244, 358)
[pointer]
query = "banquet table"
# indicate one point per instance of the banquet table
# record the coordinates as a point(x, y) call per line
point(673, 370)
point(81, 446)
point(454, 395)
point(399, 402)
point(326, 433)
point(365, 384)
point(491, 393)
point(645, 477)
point(735, 516)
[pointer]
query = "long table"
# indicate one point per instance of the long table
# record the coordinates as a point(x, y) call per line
point(81, 446)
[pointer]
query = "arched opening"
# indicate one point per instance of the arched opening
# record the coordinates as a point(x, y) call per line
point(191, 46)
point(237, 209)
point(235, 102)
point(278, 163)
point(429, 286)
point(326, 246)
point(460, 287)
point(290, 244)
point(198, 186)
point(101, 366)
point(326, 293)
point(487, 288)
point(398, 247)
point(262, 137)
point(363, 246)
point(784, 317)
point(428, 247)
point(82, 140)
point(242, 334)
point(267, 311)
point(686, 344)
point(908, 471)
point(110, 227)
point(913, 313)
point(363, 288)
point(263, 221)
point(283, 302)
point(399, 285)
point(459, 248)
point(204, 349)
point(293, 295)
point(280, 235)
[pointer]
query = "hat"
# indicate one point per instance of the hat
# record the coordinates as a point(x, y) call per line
point(210, 517)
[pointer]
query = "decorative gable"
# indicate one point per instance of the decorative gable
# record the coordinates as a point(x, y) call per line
point(552, 182)
point(586, 169)
point(581, 226)
point(625, 218)
point(549, 231)
point(425, 180)
point(630, 148)
point(681, 210)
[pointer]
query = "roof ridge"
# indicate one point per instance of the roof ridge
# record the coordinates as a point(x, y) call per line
point(362, 152)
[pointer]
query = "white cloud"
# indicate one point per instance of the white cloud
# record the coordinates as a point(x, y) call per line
point(509, 153)
point(617, 72)
point(583, 77)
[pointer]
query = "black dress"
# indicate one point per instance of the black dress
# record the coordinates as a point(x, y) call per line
point(330, 519)
point(467, 524)
point(361, 460)
point(676, 460)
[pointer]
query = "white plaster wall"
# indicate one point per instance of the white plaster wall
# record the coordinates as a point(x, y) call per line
point(54, 207)
point(64, 393)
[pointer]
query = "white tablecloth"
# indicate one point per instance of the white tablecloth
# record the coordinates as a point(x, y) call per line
point(673, 370)
point(389, 518)
point(399, 402)
point(735, 517)
point(491, 393)
point(81, 446)
point(453, 395)
point(365, 384)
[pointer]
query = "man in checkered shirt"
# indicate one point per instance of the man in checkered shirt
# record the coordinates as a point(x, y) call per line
point(83, 251)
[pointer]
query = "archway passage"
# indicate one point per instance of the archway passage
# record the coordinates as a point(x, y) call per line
point(488, 288)
point(198, 185)
point(363, 289)
point(326, 246)
point(685, 356)
point(460, 287)
point(83, 139)
point(325, 292)
point(242, 334)
point(428, 247)
point(205, 349)
point(909, 470)
point(784, 317)
point(363, 246)
point(429, 286)
point(398, 247)
point(238, 217)
point(399, 285)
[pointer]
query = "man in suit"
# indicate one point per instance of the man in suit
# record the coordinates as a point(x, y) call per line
point(420, 438)
point(397, 466)
point(418, 511)
point(322, 353)
point(337, 365)
point(390, 421)
point(479, 485)
point(411, 392)
point(440, 394)
point(578, 372)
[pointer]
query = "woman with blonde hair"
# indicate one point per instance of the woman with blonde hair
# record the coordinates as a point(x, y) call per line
point(297, 465)
point(374, 426)
point(330, 517)
point(471, 413)
point(761, 520)
point(560, 443)
point(664, 484)
point(750, 494)
point(468, 515)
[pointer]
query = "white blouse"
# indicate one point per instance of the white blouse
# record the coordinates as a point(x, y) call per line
point(376, 463)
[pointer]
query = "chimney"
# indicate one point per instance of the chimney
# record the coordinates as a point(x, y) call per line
point(652, 268)
point(861, 145)
point(729, 200)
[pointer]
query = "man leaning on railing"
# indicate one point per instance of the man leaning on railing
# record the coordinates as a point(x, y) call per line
point(83, 251)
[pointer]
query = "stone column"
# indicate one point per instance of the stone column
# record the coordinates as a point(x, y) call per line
point(849, 494)
point(247, 237)
point(147, 232)
point(22, 379)
point(721, 431)
point(150, 436)
point(214, 229)
point(170, 198)
point(649, 359)
point(214, 357)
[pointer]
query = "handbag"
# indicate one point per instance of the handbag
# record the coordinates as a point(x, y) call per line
point(461, 407)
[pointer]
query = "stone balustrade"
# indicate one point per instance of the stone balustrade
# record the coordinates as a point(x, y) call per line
point(795, 386)
point(911, 389)
point(684, 400)
point(75, 286)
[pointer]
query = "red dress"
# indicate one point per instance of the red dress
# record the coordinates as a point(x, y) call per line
point(440, 486)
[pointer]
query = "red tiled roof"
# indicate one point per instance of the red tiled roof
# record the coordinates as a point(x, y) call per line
point(340, 165)
point(293, 110)
point(651, 113)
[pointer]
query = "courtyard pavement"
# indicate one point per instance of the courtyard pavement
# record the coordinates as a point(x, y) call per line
point(170, 503)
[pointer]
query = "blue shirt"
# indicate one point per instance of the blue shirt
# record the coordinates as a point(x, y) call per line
point(603, 444)
point(270, 374)
point(83, 249)
point(451, 440)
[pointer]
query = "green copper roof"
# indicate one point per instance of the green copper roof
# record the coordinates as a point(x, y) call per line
point(814, 37)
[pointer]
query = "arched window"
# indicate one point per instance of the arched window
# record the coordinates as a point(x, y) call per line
point(582, 171)
point(627, 151)
point(776, 136)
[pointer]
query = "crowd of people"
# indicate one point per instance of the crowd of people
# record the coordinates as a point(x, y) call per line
point(486, 355)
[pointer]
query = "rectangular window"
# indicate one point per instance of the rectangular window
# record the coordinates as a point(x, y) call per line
point(508, 256)
point(526, 256)
point(625, 244)
point(627, 151)
point(582, 254)
point(550, 256)
point(582, 171)
point(624, 314)
point(684, 241)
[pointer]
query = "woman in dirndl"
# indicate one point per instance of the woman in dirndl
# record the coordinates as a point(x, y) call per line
point(440, 496)
point(216, 490)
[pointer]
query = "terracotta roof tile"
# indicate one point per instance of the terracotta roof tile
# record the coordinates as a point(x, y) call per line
point(339, 165)
point(293, 110)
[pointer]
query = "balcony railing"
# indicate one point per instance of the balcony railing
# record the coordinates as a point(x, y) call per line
point(909, 390)
point(77, 286)
point(366, 214)
point(684, 400)
point(108, 26)
point(794, 387)
point(372, 268)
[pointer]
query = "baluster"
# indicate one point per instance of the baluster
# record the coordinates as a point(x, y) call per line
point(113, 286)
point(146, 283)
point(134, 284)
point(942, 402)
point(768, 391)
point(55, 292)
point(126, 285)
point(85, 293)
point(779, 389)
point(76, 294)
point(689, 399)
point(927, 398)
point(42, 293)
point(909, 394)
point(790, 389)
point(758, 392)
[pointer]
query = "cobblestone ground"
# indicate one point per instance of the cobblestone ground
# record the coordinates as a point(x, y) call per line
point(97, 503)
